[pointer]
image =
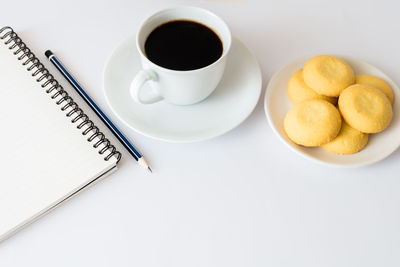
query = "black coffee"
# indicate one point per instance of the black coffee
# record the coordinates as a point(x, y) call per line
point(183, 45)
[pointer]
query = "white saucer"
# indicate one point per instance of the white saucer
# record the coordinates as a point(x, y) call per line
point(380, 145)
point(230, 104)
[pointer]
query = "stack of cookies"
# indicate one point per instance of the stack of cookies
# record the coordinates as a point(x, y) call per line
point(335, 109)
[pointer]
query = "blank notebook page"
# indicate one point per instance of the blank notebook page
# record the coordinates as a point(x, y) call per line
point(45, 158)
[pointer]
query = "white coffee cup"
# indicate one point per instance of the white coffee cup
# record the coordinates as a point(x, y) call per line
point(175, 86)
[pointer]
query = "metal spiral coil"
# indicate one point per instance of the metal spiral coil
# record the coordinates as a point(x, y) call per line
point(37, 69)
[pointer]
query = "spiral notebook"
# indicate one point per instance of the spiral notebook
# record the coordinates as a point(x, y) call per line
point(50, 148)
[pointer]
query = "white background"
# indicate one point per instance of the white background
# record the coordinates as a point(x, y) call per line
point(242, 199)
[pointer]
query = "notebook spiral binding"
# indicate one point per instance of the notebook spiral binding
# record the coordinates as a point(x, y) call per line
point(45, 78)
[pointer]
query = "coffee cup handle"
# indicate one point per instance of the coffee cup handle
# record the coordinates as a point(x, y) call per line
point(137, 84)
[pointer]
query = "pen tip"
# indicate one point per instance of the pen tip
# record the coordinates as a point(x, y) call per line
point(142, 162)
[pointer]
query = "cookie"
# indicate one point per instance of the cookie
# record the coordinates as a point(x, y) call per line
point(365, 108)
point(348, 141)
point(328, 75)
point(377, 83)
point(299, 91)
point(312, 122)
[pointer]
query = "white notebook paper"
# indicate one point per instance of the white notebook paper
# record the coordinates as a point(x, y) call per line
point(46, 158)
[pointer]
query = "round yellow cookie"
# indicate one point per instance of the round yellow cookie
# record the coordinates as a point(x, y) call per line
point(299, 91)
point(348, 141)
point(365, 108)
point(312, 122)
point(377, 83)
point(328, 75)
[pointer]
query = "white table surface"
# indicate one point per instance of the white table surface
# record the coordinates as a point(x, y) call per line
point(242, 199)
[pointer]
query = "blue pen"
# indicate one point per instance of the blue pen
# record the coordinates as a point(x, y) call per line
point(124, 141)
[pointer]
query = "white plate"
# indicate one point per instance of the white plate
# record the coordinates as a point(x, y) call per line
point(380, 145)
point(229, 105)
